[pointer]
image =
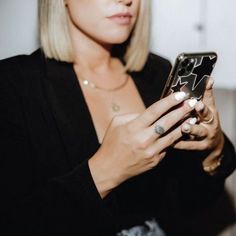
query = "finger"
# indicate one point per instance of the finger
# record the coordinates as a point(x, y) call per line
point(123, 119)
point(191, 145)
point(149, 135)
point(162, 143)
point(156, 110)
point(204, 113)
point(208, 97)
point(171, 118)
point(197, 131)
point(162, 155)
point(119, 120)
point(186, 127)
point(210, 83)
point(156, 159)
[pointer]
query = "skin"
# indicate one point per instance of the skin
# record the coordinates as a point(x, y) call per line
point(90, 27)
point(93, 35)
point(209, 136)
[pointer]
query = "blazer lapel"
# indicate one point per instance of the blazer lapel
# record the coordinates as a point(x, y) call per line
point(148, 83)
point(70, 111)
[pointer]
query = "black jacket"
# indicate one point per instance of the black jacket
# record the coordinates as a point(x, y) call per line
point(46, 138)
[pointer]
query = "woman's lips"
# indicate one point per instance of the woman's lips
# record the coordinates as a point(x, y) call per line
point(121, 19)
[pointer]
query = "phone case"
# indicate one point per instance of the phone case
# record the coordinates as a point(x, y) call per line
point(190, 74)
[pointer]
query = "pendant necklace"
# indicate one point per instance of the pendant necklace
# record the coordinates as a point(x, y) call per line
point(115, 107)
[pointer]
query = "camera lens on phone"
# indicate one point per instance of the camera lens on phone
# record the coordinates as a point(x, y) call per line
point(190, 67)
point(185, 62)
point(181, 72)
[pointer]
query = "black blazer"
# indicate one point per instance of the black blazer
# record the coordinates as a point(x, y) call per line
point(47, 136)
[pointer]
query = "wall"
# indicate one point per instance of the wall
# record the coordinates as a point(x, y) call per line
point(18, 24)
point(200, 25)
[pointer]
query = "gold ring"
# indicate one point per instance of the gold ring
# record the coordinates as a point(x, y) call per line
point(208, 121)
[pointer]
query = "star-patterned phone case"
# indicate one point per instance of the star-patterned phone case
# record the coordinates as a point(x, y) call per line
point(190, 74)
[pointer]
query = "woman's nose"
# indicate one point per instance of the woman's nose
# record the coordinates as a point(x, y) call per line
point(126, 2)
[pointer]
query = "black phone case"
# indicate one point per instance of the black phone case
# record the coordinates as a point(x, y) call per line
point(190, 74)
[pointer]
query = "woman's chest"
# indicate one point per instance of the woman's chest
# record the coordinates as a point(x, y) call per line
point(105, 105)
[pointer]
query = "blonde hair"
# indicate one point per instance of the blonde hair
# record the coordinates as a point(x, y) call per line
point(56, 43)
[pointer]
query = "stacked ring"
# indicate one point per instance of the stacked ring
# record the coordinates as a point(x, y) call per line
point(208, 121)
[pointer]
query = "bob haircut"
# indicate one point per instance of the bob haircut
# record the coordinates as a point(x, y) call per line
point(56, 43)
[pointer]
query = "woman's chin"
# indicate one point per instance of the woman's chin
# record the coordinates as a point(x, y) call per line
point(117, 39)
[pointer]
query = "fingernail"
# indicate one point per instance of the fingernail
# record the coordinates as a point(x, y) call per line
point(186, 128)
point(180, 96)
point(193, 121)
point(210, 83)
point(192, 102)
point(200, 106)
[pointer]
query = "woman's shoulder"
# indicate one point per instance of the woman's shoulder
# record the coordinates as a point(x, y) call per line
point(152, 78)
point(13, 70)
point(156, 69)
point(11, 63)
point(155, 65)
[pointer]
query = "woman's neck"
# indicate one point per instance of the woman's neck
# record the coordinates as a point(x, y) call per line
point(90, 54)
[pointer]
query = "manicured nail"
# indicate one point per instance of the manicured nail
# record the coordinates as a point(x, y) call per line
point(200, 106)
point(210, 83)
point(193, 121)
point(186, 128)
point(180, 96)
point(192, 102)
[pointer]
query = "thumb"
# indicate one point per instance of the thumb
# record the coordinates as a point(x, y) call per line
point(208, 97)
point(124, 119)
point(119, 120)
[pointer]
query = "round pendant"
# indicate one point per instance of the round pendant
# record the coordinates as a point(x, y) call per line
point(115, 107)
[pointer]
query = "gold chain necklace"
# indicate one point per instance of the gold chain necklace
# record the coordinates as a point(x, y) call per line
point(114, 106)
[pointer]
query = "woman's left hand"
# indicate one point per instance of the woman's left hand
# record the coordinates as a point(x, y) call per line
point(204, 131)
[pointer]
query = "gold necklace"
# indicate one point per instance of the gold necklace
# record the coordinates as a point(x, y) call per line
point(114, 106)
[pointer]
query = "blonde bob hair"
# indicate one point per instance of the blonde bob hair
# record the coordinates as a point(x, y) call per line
point(55, 38)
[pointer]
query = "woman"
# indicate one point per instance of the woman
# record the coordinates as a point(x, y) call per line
point(84, 142)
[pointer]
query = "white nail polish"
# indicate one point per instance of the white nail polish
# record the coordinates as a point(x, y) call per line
point(201, 106)
point(180, 96)
point(186, 128)
point(193, 121)
point(192, 102)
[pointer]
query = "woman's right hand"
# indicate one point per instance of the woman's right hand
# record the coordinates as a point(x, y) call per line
point(131, 146)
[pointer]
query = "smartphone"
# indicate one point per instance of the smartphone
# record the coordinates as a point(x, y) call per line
point(190, 74)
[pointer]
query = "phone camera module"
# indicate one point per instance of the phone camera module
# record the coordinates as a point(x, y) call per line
point(185, 62)
point(190, 67)
point(181, 71)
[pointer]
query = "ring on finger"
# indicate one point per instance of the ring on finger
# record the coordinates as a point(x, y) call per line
point(208, 121)
point(159, 129)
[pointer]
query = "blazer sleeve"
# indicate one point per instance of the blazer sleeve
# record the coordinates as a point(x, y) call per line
point(190, 188)
point(64, 205)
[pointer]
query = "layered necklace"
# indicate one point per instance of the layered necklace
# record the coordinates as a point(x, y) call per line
point(115, 107)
